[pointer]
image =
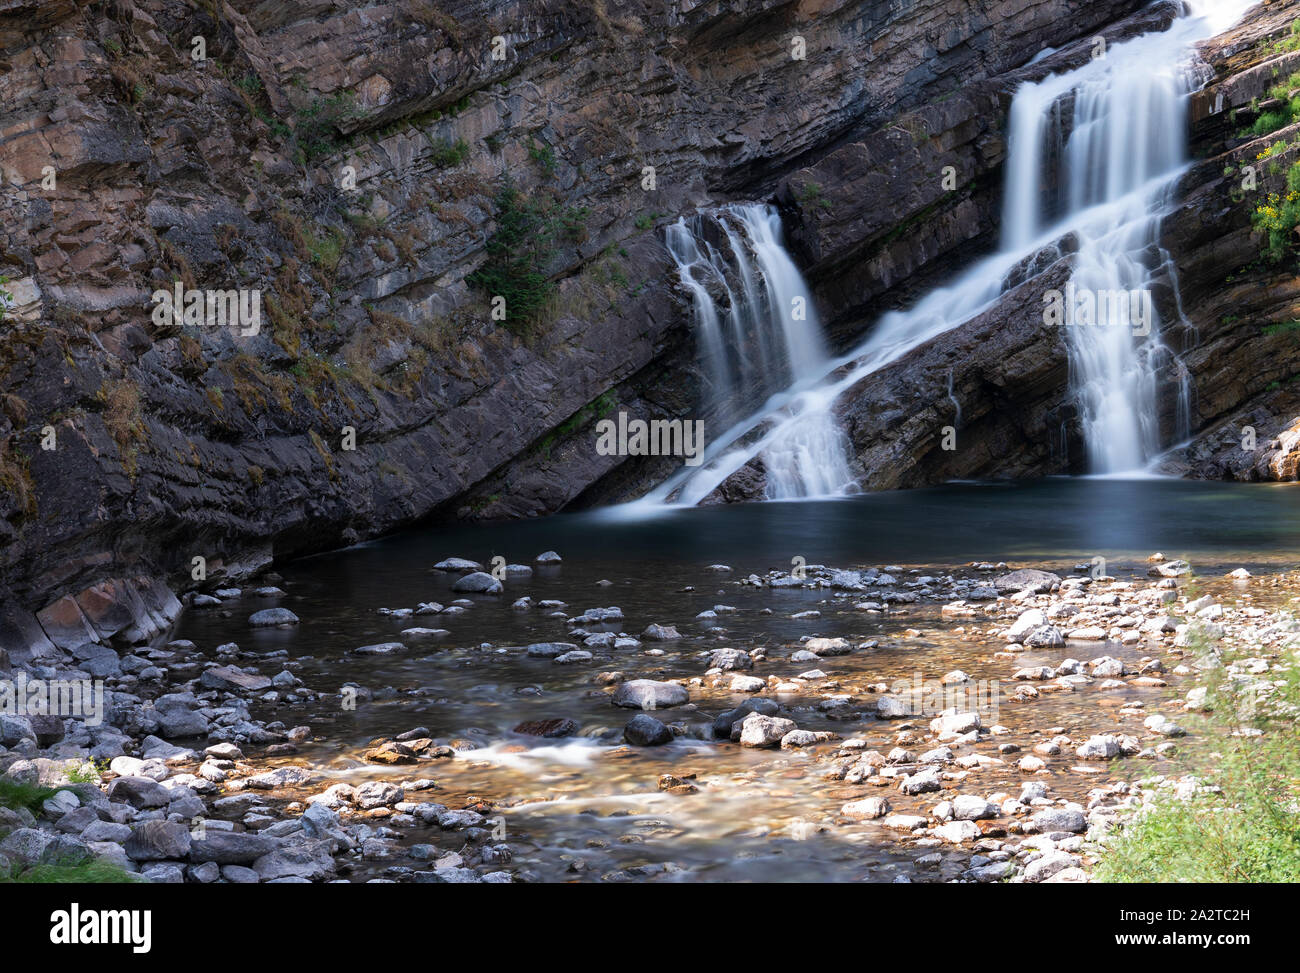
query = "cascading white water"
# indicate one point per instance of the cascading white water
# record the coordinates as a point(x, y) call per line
point(1125, 149)
point(766, 340)
point(1122, 159)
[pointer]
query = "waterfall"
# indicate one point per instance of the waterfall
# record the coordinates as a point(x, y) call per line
point(765, 339)
point(1116, 170)
point(1115, 173)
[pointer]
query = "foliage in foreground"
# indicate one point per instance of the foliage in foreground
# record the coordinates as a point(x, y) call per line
point(1243, 824)
point(14, 794)
point(95, 871)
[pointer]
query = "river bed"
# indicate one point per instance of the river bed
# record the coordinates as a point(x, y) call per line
point(587, 806)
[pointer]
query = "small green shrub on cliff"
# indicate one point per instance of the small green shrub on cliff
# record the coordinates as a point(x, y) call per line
point(528, 230)
point(316, 128)
point(1241, 825)
point(1278, 216)
point(446, 154)
point(1282, 328)
point(1289, 43)
point(543, 155)
point(6, 298)
point(1282, 115)
point(813, 194)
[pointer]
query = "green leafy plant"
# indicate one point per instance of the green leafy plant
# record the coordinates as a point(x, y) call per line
point(813, 194)
point(1282, 328)
point(1278, 216)
point(520, 250)
point(447, 154)
point(15, 795)
point(543, 155)
point(95, 871)
point(316, 127)
point(1240, 823)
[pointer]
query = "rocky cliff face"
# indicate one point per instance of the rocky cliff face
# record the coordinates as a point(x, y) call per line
point(348, 163)
point(1241, 343)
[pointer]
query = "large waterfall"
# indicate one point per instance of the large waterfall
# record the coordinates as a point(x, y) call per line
point(1114, 129)
point(1115, 173)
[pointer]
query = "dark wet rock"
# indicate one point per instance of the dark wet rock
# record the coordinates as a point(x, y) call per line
point(458, 564)
point(157, 841)
point(139, 792)
point(310, 860)
point(643, 730)
point(660, 633)
point(380, 648)
point(549, 650)
point(600, 616)
point(547, 557)
point(648, 694)
point(723, 724)
point(230, 679)
point(231, 847)
point(552, 728)
point(478, 583)
point(268, 617)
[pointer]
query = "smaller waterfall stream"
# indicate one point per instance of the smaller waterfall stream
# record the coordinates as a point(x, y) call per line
point(765, 339)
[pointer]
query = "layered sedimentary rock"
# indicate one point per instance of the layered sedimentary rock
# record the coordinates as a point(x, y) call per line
point(1239, 339)
point(347, 163)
